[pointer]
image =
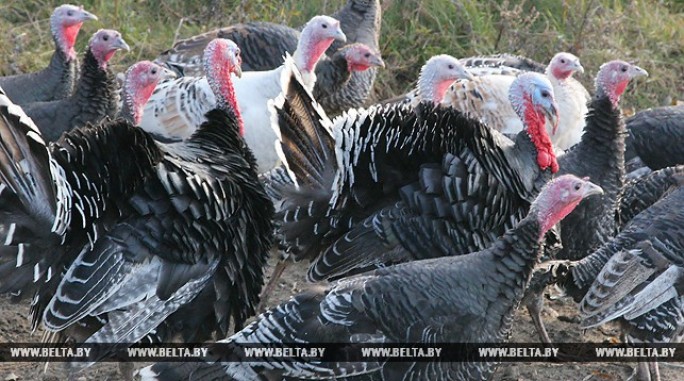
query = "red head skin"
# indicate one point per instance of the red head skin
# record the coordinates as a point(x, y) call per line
point(613, 77)
point(559, 198)
point(438, 73)
point(221, 59)
point(360, 57)
point(103, 45)
point(65, 23)
point(564, 65)
point(317, 36)
point(141, 80)
point(531, 96)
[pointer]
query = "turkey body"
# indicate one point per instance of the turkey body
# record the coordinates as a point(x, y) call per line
point(57, 81)
point(94, 99)
point(600, 156)
point(139, 244)
point(655, 136)
point(391, 184)
point(459, 308)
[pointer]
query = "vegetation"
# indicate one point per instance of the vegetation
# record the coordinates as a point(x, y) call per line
point(651, 33)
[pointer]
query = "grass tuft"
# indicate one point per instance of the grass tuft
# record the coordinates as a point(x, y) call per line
point(650, 33)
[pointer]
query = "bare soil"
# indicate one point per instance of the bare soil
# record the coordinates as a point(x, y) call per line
point(560, 316)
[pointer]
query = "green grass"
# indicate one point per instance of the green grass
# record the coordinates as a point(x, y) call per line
point(650, 33)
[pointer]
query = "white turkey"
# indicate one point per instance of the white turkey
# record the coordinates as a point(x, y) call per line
point(485, 97)
point(462, 299)
point(435, 77)
point(177, 107)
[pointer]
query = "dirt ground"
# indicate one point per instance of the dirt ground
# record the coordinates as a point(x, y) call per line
point(559, 315)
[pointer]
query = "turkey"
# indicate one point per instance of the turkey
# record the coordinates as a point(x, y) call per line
point(635, 277)
point(656, 137)
point(18, 260)
point(95, 96)
point(337, 71)
point(435, 77)
point(57, 80)
point(145, 226)
point(599, 156)
point(177, 107)
point(383, 185)
point(639, 194)
point(571, 95)
point(263, 44)
point(140, 81)
point(462, 299)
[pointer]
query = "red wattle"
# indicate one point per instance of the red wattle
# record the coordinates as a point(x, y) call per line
point(560, 73)
point(315, 53)
point(69, 33)
point(358, 67)
point(535, 123)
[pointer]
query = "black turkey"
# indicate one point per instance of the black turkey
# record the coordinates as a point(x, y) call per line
point(636, 277)
point(56, 81)
point(599, 156)
point(390, 184)
point(460, 299)
point(141, 228)
point(655, 137)
point(95, 96)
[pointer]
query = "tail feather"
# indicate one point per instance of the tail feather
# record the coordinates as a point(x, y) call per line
point(618, 290)
point(25, 170)
point(306, 146)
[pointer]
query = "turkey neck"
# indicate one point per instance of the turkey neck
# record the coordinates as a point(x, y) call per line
point(601, 156)
point(603, 142)
point(333, 72)
point(517, 252)
point(67, 69)
point(95, 83)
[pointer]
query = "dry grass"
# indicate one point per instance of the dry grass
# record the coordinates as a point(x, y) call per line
point(648, 32)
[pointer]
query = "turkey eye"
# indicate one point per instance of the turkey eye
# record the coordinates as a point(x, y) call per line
point(451, 66)
point(154, 71)
point(367, 55)
point(578, 186)
point(325, 26)
point(624, 69)
point(105, 37)
point(545, 94)
point(562, 60)
point(70, 13)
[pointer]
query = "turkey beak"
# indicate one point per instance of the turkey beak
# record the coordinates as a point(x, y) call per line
point(168, 74)
point(237, 65)
point(551, 114)
point(339, 34)
point(121, 44)
point(636, 71)
point(591, 189)
point(85, 16)
point(377, 61)
point(578, 67)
